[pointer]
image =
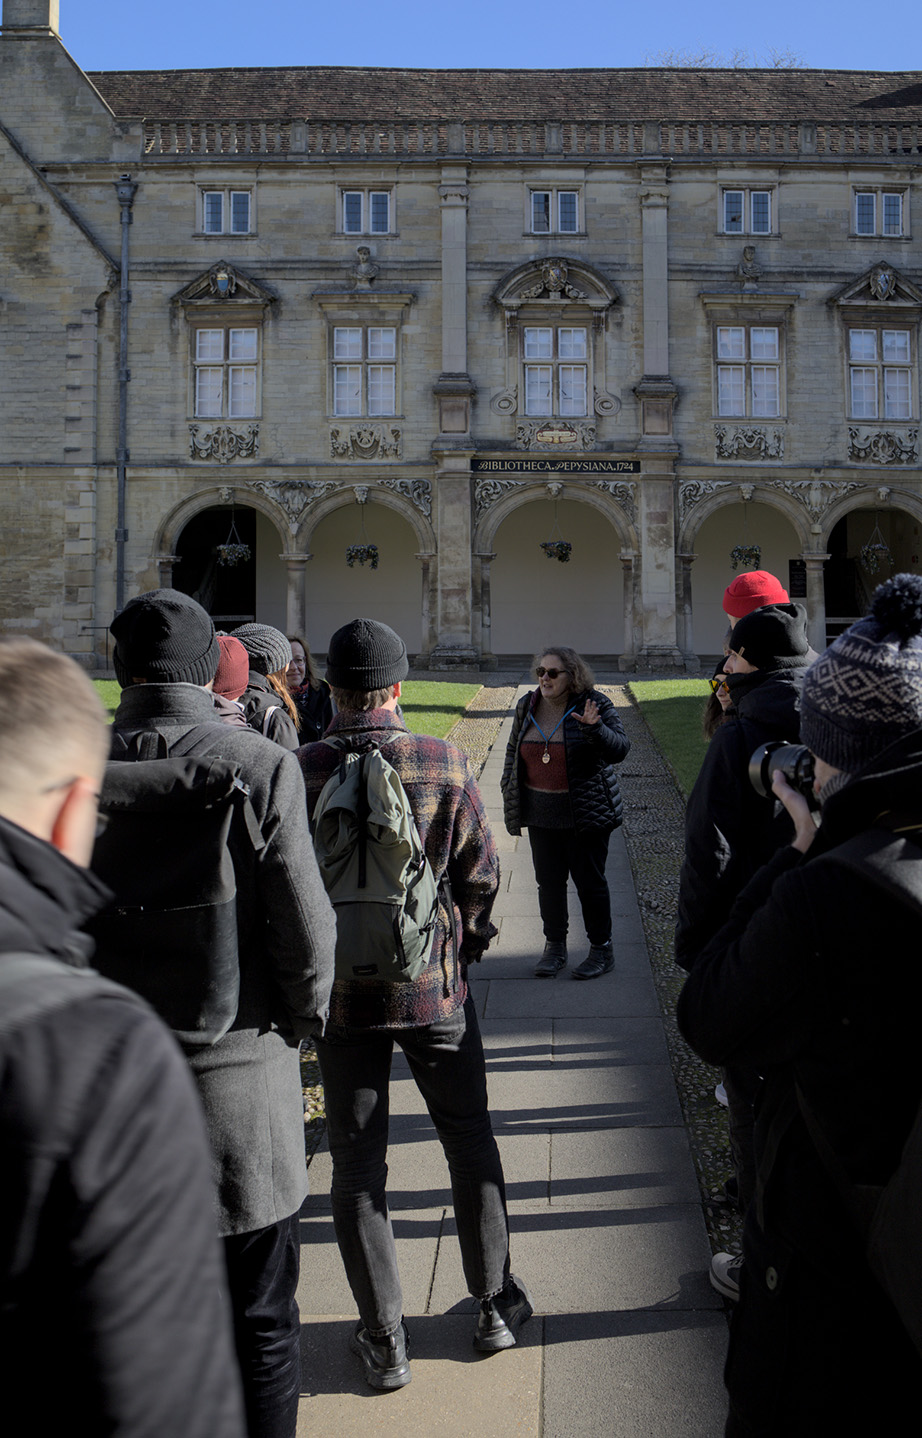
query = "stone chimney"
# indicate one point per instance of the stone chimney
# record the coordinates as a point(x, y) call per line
point(30, 17)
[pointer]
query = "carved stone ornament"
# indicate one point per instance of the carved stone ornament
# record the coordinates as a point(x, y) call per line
point(293, 495)
point(621, 493)
point(605, 405)
point(226, 494)
point(748, 442)
point(417, 491)
point(488, 491)
point(554, 283)
point(816, 495)
point(364, 269)
point(223, 443)
point(554, 434)
point(361, 493)
point(222, 280)
point(505, 401)
point(882, 282)
point(365, 441)
point(882, 447)
point(693, 491)
point(749, 270)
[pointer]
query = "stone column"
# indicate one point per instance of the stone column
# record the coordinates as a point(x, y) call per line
point(453, 388)
point(296, 605)
point(659, 649)
point(816, 599)
point(427, 568)
point(685, 632)
point(654, 201)
point(454, 647)
point(165, 563)
point(484, 604)
point(626, 661)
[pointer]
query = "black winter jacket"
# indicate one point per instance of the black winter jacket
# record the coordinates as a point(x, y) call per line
point(730, 830)
point(266, 713)
point(592, 751)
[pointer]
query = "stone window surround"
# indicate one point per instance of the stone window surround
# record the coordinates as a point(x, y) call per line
point(748, 311)
point(226, 318)
point(226, 185)
point(366, 311)
point(878, 191)
point(893, 321)
point(747, 189)
point(555, 188)
point(366, 190)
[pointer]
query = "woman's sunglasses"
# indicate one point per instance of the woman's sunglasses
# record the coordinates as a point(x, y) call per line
point(718, 682)
point(551, 673)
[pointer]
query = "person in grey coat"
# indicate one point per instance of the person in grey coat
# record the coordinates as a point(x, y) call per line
point(166, 655)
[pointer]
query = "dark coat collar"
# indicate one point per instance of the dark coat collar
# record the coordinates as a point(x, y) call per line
point(44, 898)
point(143, 704)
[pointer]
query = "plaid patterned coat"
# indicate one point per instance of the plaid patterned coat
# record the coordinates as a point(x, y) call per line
point(456, 836)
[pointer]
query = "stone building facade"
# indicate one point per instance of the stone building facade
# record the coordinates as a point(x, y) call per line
point(658, 315)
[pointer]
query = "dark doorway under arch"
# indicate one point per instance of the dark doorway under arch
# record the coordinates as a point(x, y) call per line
point(228, 592)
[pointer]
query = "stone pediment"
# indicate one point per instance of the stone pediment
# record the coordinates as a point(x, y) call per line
point(881, 285)
point(559, 281)
point(224, 284)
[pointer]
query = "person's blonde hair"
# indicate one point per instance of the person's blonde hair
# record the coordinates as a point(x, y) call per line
point(278, 683)
point(582, 678)
point(52, 724)
point(310, 669)
point(361, 700)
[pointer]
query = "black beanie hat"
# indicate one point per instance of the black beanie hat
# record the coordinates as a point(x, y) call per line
point(164, 637)
point(774, 637)
point(865, 691)
point(366, 655)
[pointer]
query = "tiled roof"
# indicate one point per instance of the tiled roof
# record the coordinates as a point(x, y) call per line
point(347, 95)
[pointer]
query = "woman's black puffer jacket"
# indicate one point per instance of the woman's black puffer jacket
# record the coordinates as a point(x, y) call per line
point(592, 751)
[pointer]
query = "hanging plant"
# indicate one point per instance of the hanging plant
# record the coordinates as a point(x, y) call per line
point(362, 553)
point(749, 555)
point(873, 554)
point(230, 555)
point(558, 549)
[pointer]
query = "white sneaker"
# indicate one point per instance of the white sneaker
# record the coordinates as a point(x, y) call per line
point(720, 1093)
point(725, 1274)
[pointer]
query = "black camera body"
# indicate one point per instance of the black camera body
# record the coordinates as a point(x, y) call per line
point(795, 762)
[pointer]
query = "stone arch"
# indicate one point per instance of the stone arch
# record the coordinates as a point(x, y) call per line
point(737, 492)
point(869, 498)
point(321, 508)
point(850, 523)
point(176, 519)
point(489, 521)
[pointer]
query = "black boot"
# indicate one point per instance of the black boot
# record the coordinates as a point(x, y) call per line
point(553, 960)
point(599, 960)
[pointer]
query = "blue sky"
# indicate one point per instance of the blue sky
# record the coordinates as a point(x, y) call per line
point(179, 34)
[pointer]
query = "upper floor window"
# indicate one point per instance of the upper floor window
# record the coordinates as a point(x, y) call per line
point(746, 212)
point(364, 369)
point(556, 370)
point(879, 212)
point(366, 212)
point(226, 212)
point(554, 212)
point(225, 363)
point(880, 373)
point(748, 370)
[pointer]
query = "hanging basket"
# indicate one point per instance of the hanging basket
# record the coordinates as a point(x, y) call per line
point(362, 554)
point(873, 554)
point(558, 549)
point(230, 555)
point(747, 555)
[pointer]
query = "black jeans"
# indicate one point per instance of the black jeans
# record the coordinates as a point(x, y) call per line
point(561, 853)
point(262, 1273)
point(446, 1060)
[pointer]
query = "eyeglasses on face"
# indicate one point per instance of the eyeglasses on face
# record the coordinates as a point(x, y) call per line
point(718, 682)
point(551, 673)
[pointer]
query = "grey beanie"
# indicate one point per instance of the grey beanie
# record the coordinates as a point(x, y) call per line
point(366, 655)
point(865, 691)
point(268, 648)
point(165, 637)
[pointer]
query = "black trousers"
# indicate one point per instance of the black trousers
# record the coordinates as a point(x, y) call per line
point(262, 1274)
point(559, 854)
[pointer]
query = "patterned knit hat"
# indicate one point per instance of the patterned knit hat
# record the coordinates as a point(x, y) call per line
point(268, 648)
point(750, 591)
point(366, 655)
point(164, 637)
point(773, 637)
point(865, 691)
point(233, 668)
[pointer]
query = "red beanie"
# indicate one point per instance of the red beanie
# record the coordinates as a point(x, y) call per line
point(753, 591)
point(233, 668)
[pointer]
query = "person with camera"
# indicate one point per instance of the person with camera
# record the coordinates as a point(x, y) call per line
point(730, 831)
point(815, 981)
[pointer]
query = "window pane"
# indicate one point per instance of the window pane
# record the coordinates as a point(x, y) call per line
point(538, 389)
point(897, 396)
point(864, 392)
point(382, 343)
point(865, 206)
point(241, 388)
point(209, 344)
point(761, 210)
point(347, 389)
point(731, 389)
point(893, 214)
point(381, 388)
point(731, 343)
point(763, 343)
point(733, 212)
point(379, 204)
point(567, 212)
point(352, 212)
point(213, 212)
point(208, 392)
point(862, 344)
point(571, 344)
point(765, 390)
point(896, 345)
point(242, 344)
point(541, 211)
point(347, 343)
point(539, 343)
point(572, 389)
point(240, 211)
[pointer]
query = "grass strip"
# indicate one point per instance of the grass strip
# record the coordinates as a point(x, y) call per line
point(672, 709)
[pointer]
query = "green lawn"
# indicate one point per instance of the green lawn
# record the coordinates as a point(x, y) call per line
point(673, 710)
point(428, 708)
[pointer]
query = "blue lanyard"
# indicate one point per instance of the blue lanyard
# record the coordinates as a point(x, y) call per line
point(545, 757)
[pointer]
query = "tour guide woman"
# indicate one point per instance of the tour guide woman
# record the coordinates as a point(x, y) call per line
point(559, 782)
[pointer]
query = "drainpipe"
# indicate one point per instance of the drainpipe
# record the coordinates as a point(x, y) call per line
point(125, 190)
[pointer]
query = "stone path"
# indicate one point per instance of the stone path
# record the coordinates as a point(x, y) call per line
point(606, 1218)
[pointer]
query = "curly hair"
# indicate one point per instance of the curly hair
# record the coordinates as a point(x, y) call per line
point(582, 678)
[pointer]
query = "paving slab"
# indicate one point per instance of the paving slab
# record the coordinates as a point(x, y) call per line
point(612, 995)
point(323, 1287)
point(622, 1168)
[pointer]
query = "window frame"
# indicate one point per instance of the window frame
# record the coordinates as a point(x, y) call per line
point(749, 364)
point(556, 363)
point(368, 365)
point(199, 364)
point(880, 194)
point(880, 367)
point(366, 194)
point(554, 192)
point(227, 194)
point(747, 223)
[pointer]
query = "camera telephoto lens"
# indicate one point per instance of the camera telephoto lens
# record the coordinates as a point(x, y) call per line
point(795, 762)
